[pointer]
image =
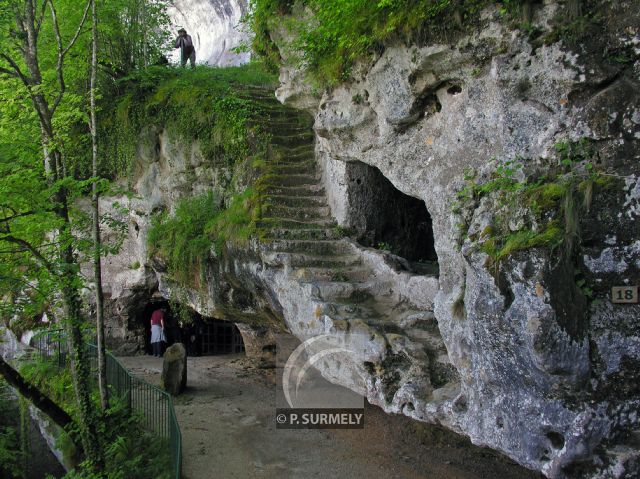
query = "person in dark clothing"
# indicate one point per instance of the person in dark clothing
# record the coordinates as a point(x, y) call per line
point(157, 332)
point(187, 50)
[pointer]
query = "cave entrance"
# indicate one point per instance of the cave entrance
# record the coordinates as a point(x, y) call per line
point(215, 336)
point(202, 336)
point(383, 217)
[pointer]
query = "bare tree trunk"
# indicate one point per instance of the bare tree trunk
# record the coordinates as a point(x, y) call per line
point(35, 395)
point(95, 199)
point(67, 270)
point(145, 53)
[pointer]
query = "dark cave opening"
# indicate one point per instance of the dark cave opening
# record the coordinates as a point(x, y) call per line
point(201, 335)
point(383, 217)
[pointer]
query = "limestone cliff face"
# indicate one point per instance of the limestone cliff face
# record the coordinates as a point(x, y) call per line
point(215, 28)
point(528, 356)
point(544, 374)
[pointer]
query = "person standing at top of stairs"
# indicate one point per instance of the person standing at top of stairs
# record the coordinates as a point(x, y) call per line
point(187, 50)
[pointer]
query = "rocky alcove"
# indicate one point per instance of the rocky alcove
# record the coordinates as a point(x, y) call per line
point(383, 217)
point(201, 335)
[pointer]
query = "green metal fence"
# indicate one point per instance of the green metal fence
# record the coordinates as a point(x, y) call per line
point(149, 402)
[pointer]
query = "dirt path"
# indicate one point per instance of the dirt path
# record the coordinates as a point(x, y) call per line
point(227, 421)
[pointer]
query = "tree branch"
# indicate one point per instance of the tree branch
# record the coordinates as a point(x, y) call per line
point(16, 72)
point(11, 73)
point(27, 82)
point(29, 247)
point(41, 16)
point(16, 215)
point(24, 282)
point(62, 52)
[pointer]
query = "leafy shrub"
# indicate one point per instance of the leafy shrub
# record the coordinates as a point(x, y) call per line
point(130, 450)
point(202, 104)
point(200, 225)
point(181, 239)
point(10, 453)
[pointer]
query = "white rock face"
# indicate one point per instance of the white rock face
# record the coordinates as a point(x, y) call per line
point(215, 28)
point(526, 344)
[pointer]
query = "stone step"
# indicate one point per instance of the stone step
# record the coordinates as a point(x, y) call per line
point(300, 167)
point(297, 151)
point(315, 247)
point(353, 274)
point(289, 156)
point(286, 190)
point(297, 260)
point(300, 260)
point(298, 213)
point(349, 311)
point(292, 141)
point(339, 291)
point(279, 125)
point(298, 201)
point(292, 180)
point(272, 115)
point(286, 223)
point(298, 126)
point(303, 233)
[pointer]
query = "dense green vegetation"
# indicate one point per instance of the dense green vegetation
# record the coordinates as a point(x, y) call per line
point(203, 104)
point(534, 211)
point(330, 35)
point(129, 450)
point(56, 56)
point(341, 32)
point(11, 457)
point(200, 227)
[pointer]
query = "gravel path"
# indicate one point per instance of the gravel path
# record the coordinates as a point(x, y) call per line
point(227, 421)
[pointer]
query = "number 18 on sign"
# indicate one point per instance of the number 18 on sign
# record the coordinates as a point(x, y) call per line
point(624, 294)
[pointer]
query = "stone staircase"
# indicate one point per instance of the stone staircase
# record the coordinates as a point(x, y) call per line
point(300, 235)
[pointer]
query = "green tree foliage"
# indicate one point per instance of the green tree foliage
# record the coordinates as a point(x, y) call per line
point(130, 451)
point(11, 460)
point(342, 31)
point(133, 34)
point(44, 59)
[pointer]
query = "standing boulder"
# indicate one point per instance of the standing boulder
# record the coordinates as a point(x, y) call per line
point(174, 369)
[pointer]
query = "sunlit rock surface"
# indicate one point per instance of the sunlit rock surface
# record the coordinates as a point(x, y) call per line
point(215, 28)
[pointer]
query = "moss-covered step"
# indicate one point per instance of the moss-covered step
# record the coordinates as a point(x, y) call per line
point(298, 201)
point(298, 212)
point(296, 260)
point(317, 247)
point(303, 233)
point(275, 189)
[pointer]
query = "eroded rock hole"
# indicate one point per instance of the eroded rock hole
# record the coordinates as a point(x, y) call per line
point(556, 439)
point(383, 217)
point(201, 335)
point(454, 90)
